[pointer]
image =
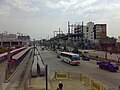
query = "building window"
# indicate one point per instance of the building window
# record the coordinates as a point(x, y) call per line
point(87, 29)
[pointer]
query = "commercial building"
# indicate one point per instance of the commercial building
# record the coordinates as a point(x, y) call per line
point(13, 40)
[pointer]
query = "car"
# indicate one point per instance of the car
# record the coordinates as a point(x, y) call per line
point(108, 66)
point(85, 58)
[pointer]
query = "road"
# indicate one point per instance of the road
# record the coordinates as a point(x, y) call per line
point(88, 67)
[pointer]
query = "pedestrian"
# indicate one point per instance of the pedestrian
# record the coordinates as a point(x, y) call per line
point(60, 86)
point(119, 87)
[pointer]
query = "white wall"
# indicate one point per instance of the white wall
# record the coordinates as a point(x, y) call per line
point(88, 33)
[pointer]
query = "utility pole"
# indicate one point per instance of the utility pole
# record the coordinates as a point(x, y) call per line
point(8, 69)
point(59, 40)
point(82, 37)
point(34, 45)
point(46, 68)
point(68, 30)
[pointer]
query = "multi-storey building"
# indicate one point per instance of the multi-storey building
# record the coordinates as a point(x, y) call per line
point(89, 32)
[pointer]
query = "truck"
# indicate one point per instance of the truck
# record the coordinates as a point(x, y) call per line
point(108, 66)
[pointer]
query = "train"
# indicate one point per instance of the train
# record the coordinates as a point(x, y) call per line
point(16, 59)
point(3, 56)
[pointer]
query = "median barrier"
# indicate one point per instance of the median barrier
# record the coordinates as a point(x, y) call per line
point(95, 85)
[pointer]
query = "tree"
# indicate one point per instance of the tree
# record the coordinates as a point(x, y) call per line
point(75, 50)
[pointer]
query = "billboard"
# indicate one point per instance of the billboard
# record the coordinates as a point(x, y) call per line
point(100, 31)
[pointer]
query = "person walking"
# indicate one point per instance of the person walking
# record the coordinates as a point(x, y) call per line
point(60, 86)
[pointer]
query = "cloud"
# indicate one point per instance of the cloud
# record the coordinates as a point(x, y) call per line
point(4, 11)
point(85, 3)
point(99, 9)
point(66, 4)
point(23, 5)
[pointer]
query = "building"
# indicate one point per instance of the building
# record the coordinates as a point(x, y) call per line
point(89, 32)
point(24, 38)
point(13, 40)
point(106, 44)
point(8, 37)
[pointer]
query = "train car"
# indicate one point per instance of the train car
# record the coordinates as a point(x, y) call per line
point(19, 57)
point(3, 56)
point(13, 52)
point(71, 58)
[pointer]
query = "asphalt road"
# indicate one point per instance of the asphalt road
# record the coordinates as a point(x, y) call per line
point(88, 67)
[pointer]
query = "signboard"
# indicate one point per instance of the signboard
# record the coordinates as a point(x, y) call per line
point(100, 31)
point(61, 75)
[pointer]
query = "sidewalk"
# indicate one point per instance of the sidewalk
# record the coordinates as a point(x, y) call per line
point(38, 83)
point(69, 84)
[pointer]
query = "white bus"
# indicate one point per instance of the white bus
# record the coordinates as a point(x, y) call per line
point(70, 58)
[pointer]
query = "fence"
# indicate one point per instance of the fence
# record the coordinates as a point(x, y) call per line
point(85, 79)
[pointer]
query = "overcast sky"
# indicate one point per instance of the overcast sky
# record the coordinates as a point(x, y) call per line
point(39, 18)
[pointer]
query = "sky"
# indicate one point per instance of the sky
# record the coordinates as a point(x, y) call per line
point(40, 18)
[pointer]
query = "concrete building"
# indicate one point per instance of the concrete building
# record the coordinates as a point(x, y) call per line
point(13, 40)
point(89, 32)
point(8, 37)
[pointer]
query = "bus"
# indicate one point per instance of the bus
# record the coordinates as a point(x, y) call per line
point(71, 58)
